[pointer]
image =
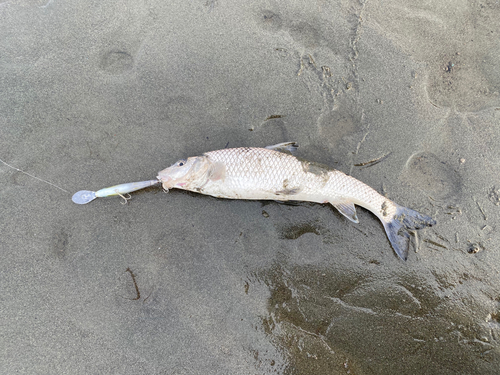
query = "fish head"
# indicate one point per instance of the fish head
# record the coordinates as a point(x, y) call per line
point(184, 173)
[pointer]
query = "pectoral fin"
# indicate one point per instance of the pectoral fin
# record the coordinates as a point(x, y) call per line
point(348, 210)
point(217, 171)
point(286, 147)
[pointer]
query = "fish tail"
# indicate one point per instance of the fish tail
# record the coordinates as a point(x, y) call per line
point(402, 222)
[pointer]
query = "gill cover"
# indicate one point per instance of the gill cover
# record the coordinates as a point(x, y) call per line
point(181, 172)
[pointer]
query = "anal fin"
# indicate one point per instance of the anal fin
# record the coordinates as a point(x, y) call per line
point(348, 210)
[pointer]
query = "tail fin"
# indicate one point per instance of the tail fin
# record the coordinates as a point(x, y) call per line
point(397, 229)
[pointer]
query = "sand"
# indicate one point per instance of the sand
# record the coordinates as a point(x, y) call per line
point(99, 93)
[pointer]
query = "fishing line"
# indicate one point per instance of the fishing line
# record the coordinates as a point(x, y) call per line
point(39, 179)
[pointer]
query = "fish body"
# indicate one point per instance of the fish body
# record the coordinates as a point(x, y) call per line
point(266, 173)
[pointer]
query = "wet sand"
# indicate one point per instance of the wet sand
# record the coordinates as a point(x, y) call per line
point(94, 94)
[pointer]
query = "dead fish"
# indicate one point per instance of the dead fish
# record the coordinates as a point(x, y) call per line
point(274, 173)
point(270, 173)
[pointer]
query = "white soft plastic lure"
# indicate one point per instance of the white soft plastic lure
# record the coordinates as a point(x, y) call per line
point(274, 173)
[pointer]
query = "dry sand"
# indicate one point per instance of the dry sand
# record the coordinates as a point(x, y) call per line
point(95, 93)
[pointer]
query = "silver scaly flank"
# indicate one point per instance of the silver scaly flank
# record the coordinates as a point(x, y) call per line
point(269, 173)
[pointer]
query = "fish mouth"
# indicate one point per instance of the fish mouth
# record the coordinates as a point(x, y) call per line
point(164, 179)
point(168, 182)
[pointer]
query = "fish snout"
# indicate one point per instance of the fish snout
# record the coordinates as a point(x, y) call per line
point(165, 179)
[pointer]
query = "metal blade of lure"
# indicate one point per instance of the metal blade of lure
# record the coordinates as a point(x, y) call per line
point(86, 196)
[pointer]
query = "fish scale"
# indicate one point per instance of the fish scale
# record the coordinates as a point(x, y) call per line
point(255, 168)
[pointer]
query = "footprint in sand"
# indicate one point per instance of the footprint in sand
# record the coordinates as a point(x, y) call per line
point(433, 176)
point(116, 62)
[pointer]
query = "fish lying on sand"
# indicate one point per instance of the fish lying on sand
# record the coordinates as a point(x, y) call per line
point(274, 173)
point(270, 173)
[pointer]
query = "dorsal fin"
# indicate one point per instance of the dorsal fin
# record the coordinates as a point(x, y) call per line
point(285, 147)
